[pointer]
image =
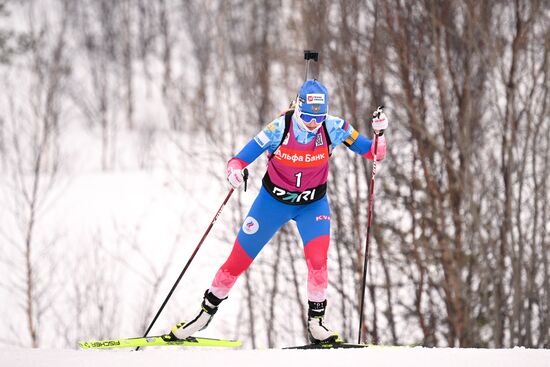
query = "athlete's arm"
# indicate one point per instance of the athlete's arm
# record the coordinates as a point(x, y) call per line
point(365, 147)
point(341, 131)
point(267, 139)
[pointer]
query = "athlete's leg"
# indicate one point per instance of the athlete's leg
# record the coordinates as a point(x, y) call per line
point(265, 217)
point(314, 226)
point(313, 221)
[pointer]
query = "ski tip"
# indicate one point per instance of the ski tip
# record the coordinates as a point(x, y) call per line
point(84, 345)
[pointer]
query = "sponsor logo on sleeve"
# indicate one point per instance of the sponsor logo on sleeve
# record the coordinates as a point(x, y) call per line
point(262, 139)
point(271, 127)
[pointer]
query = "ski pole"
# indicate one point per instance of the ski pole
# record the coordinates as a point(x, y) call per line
point(369, 221)
point(245, 175)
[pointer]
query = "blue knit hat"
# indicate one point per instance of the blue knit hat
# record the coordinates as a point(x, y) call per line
point(313, 98)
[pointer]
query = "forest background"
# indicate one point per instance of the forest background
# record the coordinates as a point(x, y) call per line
point(117, 118)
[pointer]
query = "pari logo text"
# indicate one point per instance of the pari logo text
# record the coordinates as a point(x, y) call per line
point(294, 197)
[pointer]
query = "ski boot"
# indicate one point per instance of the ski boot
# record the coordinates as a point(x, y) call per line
point(317, 331)
point(183, 330)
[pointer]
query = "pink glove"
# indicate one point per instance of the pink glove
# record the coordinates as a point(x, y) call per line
point(379, 120)
point(379, 124)
point(234, 172)
point(380, 151)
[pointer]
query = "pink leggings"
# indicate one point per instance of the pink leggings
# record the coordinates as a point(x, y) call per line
point(238, 261)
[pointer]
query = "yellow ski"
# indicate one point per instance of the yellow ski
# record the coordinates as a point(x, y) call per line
point(156, 341)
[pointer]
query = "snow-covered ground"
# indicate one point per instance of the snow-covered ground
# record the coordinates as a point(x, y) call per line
point(376, 357)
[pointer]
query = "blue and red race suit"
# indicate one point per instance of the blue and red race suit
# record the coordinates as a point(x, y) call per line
point(294, 188)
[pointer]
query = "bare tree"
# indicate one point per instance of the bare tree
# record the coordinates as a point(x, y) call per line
point(33, 162)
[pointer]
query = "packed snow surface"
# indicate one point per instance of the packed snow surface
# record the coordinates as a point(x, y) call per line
point(375, 357)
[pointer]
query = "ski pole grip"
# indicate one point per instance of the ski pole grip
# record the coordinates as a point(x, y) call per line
point(379, 110)
point(245, 176)
point(381, 132)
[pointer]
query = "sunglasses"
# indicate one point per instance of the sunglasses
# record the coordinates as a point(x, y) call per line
point(307, 118)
